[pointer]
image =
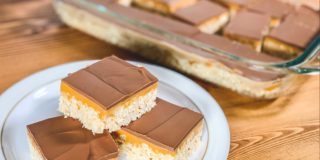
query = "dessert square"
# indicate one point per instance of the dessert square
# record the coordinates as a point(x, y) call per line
point(163, 6)
point(208, 16)
point(108, 94)
point(275, 8)
point(166, 132)
point(292, 36)
point(248, 28)
point(65, 139)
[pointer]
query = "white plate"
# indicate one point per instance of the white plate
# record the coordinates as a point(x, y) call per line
point(36, 98)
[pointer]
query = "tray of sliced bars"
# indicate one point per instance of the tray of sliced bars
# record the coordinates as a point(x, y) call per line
point(253, 47)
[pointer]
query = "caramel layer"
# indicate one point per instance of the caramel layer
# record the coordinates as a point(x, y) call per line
point(181, 4)
point(275, 22)
point(65, 88)
point(131, 138)
point(278, 48)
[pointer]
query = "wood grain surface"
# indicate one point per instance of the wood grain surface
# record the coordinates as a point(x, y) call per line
point(32, 38)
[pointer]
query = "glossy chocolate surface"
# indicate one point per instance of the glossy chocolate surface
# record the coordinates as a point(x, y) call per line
point(166, 125)
point(200, 12)
point(248, 24)
point(110, 81)
point(299, 28)
point(64, 139)
point(274, 8)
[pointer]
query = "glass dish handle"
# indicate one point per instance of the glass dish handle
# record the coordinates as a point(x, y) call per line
point(308, 62)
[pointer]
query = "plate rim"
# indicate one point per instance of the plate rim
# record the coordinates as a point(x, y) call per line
point(18, 86)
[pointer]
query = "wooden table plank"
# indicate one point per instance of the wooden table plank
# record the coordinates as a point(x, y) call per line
point(32, 38)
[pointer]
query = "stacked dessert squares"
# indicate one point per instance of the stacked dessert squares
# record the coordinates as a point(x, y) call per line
point(111, 107)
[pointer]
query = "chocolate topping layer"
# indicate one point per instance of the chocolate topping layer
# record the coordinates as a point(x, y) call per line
point(165, 125)
point(299, 28)
point(64, 139)
point(248, 24)
point(200, 12)
point(273, 8)
point(110, 81)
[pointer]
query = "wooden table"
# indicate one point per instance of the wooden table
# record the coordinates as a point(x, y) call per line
point(32, 38)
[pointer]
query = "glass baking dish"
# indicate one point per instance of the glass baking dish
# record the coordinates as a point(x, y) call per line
point(258, 76)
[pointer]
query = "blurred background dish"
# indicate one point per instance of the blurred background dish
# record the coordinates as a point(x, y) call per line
point(257, 48)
